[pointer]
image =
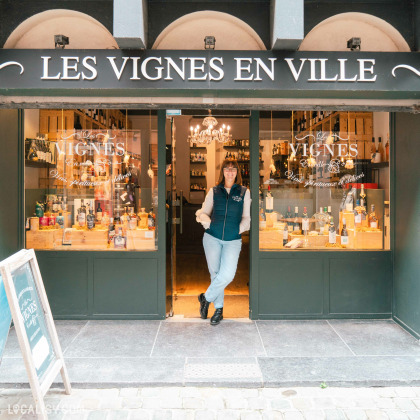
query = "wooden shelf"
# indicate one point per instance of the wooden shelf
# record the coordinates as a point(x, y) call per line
point(198, 161)
point(38, 164)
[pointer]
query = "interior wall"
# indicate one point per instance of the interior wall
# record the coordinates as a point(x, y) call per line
point(407, 216)
point(30, 130)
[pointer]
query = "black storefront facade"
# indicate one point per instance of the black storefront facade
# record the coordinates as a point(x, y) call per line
point(283, 285)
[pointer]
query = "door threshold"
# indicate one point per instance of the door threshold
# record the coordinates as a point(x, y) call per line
point(181, 318)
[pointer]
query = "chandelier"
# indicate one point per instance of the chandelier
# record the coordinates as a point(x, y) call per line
point(209, 134)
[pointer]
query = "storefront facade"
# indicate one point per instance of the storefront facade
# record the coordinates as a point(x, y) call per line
point(313, 283)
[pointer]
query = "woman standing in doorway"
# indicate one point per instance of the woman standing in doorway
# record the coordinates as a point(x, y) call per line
point(225, 215)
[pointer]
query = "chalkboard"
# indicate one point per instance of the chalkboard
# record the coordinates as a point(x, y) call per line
point(5, 317)
point(34, 324)
point(34, 319)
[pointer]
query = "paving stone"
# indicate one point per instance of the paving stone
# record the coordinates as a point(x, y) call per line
point(396, 415)
point(365, 403)
point(302, 403)
point(231, 393)
point(258, 403)
point(118, 415)
point(128, 392)
point(385, 392)
point(110, 403)
point(385, 402)
point(97, 415)
point(289, 393)
point(404, 404)
point(323, 403)
point(152, 403)
point(334, 415)
point(90, 404)
point(416, 402)
point(355, 414)
point(228, 415)
point(413, 415)
point(314, 415)
point(6, 416)
point(376, 415)
point(192, 402)
point(59, 415)
point(183, 414)
point(139, 415)
point(215, 403)
point(190, 391)
point(274, 415)
point(132, 402)
point(405, 391)
point(162, 415)
point(172, 402)
point(250, 415)
point(293, 415)
point(250, 392)
point(271, 393)
point(341, 402)
point(236, 403)
point(280, 404)
point(204, 415)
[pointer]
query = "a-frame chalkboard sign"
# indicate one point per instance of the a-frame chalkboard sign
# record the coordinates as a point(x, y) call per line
point(34, 325)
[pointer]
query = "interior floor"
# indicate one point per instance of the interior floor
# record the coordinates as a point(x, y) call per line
point(193, 278)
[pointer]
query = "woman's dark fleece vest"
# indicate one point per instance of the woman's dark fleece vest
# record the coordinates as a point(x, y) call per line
point(227, 212)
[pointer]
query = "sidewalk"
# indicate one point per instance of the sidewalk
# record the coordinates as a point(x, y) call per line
point(203, 403)
point(236, 353)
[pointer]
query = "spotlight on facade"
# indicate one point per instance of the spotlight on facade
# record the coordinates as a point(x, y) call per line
point(61, 41)
point(209, 42)
point(354, 43)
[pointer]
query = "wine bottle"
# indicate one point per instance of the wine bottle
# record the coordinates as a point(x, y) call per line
point(296, 224)
point(90, 219)
point(363, 200)
point(332, 236)
point(269, 201)
point(373, 221)
point(344, 234)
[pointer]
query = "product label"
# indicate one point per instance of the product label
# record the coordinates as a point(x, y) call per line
point(296, 227)
point(332, 237)
point(374, 225)
point(81, 218)
point(263, 224)
point(305, 224)
point(290, 228)
point(285, 234)
point(269, 203)
point(344, 240)
point(358, 218)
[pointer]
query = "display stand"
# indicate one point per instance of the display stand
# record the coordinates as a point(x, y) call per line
point(34, 325)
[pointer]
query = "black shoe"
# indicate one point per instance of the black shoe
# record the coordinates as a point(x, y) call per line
point(204, 306)
point(217, 317)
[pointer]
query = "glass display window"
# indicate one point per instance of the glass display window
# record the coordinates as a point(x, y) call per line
point(325, 185)
point(91, 188)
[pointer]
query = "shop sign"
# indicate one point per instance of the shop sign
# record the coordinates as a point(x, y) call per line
point(233, 73)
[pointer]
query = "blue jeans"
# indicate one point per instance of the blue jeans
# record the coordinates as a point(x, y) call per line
point(222, 260)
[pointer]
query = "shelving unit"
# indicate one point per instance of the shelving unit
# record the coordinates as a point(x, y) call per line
point(198, 182)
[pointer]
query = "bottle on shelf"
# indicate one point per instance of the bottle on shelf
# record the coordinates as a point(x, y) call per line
point(327, 221)
point(81, 216)
point(151, 221)
point(380, 151)
point(305, 227)
point(387, 148)
point(289, 219)
point(285, 234)
point(90, 219)
point(269, 201)
point(99, 213)
point(111, 231)
point(344, 234)
point(105, 219)
point(132, 223)
point(120, 240)
point(142, 219)
point(357, 215)
point(363, 197)
point(372, 150)
point(296, 224)
point(32, 155)
point(373, 221)
point(262, 219)
point(332, 236)
point(60, 220)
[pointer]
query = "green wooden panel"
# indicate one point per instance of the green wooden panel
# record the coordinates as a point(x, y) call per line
point(288, 286)
point(65, 279)
point(125, 286)
point(361, 285)
point(11, 182)
point(407, 221)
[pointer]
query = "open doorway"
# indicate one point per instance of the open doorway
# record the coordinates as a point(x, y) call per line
point(193, 169)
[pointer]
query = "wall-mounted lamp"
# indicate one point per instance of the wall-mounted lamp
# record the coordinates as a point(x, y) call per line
point(61, 41)
point(354, 43)
point(209, 42)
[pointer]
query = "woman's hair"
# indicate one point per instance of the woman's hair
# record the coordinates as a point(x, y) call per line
point(230, 162)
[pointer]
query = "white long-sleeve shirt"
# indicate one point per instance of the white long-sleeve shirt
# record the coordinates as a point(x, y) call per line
point(203, 215)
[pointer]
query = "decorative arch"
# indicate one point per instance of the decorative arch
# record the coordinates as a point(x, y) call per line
point(38, 31)
point(376, 34)
point(188, 33)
